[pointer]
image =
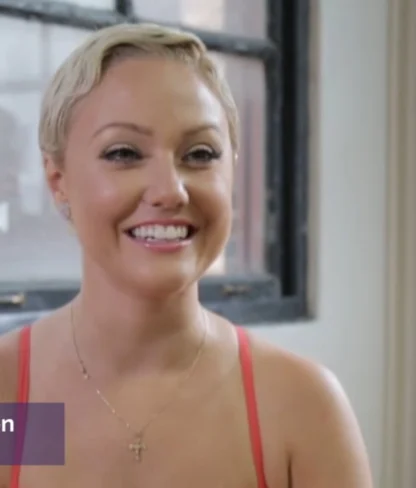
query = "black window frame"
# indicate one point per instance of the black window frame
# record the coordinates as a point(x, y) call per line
point(281, 294)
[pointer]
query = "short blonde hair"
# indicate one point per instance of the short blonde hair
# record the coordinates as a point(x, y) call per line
point(86, 66)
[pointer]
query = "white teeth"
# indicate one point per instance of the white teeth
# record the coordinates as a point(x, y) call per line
point(161, 232)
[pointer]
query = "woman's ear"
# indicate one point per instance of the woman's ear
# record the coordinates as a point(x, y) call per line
point(55, 179)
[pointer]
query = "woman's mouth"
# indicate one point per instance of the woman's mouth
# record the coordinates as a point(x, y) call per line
point(162, 237)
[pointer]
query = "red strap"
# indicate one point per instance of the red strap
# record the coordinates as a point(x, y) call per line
point(251, 402)
point(24, 365)
point(22, 397)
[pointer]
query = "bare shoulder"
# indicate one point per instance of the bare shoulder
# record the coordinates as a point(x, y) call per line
point(323, 439)
point(298, 377)
point(9, 345)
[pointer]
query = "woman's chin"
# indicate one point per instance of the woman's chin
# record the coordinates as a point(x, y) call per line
point(159, 284)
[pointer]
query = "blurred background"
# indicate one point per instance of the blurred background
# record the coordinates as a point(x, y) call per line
point(321, 259)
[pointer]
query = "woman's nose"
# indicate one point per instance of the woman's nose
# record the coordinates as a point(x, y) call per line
point(166, 189)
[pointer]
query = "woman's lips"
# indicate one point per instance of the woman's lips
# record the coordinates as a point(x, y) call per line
point(160, 243)
point(163, 235)
point(164, 246)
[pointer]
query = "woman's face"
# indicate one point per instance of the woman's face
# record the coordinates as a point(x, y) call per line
point(148, 171)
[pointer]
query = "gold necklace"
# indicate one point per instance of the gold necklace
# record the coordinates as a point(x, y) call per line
point(137, 446)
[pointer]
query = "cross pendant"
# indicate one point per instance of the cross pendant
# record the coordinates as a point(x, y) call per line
point(137, 447)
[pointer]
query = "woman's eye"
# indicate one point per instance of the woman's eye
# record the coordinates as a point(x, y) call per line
point(202, 155)
point(123, 154)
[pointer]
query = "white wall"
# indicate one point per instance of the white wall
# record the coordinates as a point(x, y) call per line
point(350, 122)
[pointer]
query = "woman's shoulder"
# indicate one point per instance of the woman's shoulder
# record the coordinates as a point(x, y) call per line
point(9, 363)
point(304, 386)
point(305, 401)
point(293, 372)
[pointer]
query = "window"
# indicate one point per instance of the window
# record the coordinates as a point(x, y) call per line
point(262, 275)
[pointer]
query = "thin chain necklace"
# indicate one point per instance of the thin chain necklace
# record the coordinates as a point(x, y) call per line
point(137, 445)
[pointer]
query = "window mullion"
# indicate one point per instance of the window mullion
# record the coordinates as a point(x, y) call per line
point(124, 7)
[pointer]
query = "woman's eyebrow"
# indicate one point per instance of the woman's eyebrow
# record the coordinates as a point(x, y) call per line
point(125, 125)
point(149, 132)
point(201, 128)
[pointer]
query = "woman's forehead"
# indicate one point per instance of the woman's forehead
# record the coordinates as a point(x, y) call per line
point(150, 92)
point(148, 79)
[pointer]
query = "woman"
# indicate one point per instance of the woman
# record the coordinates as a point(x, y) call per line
point(139, 137)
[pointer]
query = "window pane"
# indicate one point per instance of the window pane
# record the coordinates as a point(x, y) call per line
point(59, 43)
point(21, 37)
point(35, 243)
point(102, 4)
point(245, 251)
point(242, 17)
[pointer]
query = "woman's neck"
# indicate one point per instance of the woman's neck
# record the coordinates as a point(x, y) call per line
point(120, 333)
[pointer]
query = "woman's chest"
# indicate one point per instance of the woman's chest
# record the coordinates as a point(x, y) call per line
point(202, 438)
point(201, 441)
point(203, 450)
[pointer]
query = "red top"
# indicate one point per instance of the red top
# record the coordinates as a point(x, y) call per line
point(249, 392)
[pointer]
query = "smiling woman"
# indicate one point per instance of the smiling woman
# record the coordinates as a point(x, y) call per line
point(121, 147)
point(139, 138)
point(27, 204)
